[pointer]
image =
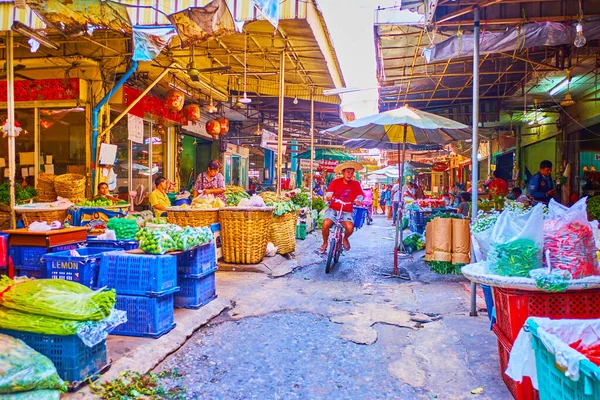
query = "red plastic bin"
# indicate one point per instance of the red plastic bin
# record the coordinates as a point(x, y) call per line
point(520, 390)
point(514, 306)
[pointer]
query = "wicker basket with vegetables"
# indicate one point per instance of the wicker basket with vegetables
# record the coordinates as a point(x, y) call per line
point(233, 195)
point(285, 217)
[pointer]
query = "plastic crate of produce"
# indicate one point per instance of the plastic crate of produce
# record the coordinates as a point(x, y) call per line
point(32, 256)
point(359, 216)
point(416, 228)
point(138, 274)
point(32, 272)
point(82, 268)
point(146, 316)
point(513, 307)
point(114, 244)
point(553, 384)
point(196, 291)
point(198, 260)
point(520, 390)
point(301, 231)
point(74, 361)
point(419, 218)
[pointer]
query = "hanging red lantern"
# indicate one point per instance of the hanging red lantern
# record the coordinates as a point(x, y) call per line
point(192, 112)
point(213, 128)
point(174, 100)
point(224, 122)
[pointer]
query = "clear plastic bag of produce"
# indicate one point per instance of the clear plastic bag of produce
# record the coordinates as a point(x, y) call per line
point(156, 241)
point(57, 298)
point(569, 238)
point(33, 395)
point(124, 228)
point(516, 243)
point(23, 369)
point(90, 332)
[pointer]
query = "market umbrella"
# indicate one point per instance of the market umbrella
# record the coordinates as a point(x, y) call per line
point(399, 127)
point(327, 154)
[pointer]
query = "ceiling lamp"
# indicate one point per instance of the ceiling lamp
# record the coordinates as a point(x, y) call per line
point(295, 100)
point(245, 99)
point(568, 101)
point(210, 107)
point(257, 131)
point(238, 104)
point(580, 39)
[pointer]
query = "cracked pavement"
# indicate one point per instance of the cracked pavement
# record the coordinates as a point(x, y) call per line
point(350, 334)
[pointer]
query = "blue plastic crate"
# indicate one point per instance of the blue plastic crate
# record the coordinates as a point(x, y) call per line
point(197, 261)
point(74, 361)
point(32, 272)
point(146, 316)
point(420, 229)
point(82, 268)
point(138, 274)
point(32, 256)
point(114, 244)
point(553, 384)
point(196, 290)
point(419, 218)
point(359, 216)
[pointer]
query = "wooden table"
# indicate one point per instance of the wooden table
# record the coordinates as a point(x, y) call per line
point(56, 237)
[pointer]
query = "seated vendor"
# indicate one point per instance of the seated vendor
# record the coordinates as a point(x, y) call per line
point(158, 199)
point(103, 191)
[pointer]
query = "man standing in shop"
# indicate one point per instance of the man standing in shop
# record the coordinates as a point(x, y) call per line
point(541, 187)
point(158, 199)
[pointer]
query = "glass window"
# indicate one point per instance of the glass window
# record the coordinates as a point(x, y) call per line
point(62, 140)
point(122, 168)
point(24, 147)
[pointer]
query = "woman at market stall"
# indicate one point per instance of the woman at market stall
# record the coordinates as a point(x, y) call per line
point(211, 182)
point(104, 192)
point(158, 199)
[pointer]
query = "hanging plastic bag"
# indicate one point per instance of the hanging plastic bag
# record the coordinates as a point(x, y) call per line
point(569, 238)
point(23, 369)
point(516, 243)
point(57, 298)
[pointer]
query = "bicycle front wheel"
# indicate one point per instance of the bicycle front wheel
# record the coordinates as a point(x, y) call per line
point(331, 255)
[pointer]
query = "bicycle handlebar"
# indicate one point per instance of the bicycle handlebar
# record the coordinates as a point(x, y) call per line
point(341, 202)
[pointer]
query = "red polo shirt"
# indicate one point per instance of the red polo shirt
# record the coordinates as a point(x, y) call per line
point(346, 192)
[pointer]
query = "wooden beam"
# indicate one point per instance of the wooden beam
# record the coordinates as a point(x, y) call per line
point(467, 10)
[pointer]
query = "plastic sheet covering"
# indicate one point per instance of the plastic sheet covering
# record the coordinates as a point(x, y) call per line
point(197, 24)
point(74, 18)
point(269, 9)
point(527, 35)
point(556, 335)
point(23, 369)
point(33, 395)
point(57, 298)
point(90, 332)
point(149, 41)
point(478, 273)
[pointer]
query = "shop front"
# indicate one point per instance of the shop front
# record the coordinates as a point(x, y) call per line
point(236, 164)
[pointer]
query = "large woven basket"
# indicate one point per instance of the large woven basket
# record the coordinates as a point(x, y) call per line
point(70, 186)
point(245, 233)
point(192, 217)
point(33, 215)
point(45, 188)
point(283, 232)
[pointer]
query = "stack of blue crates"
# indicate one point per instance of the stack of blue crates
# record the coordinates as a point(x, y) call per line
point(81, 268)
point(196, 277)
point(145, 286)
point(28, 261)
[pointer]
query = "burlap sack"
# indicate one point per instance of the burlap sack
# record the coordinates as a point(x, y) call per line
point(428, 241)
point(461, 241)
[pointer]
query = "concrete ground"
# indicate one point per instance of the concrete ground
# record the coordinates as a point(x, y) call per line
point(285, 330)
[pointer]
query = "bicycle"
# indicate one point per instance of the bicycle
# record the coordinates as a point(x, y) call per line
point(336, 247)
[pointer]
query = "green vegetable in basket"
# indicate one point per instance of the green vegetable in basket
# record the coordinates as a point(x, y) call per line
point(301, 199)
point(515, 258)
point(97, 202)
point(23, 369)
point(282, 207)
point(57, 298)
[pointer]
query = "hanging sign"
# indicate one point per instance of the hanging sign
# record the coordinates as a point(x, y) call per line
point(327, 165)
point(135, 128)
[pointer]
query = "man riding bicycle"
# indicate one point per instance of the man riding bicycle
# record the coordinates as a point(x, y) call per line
point(347, 190)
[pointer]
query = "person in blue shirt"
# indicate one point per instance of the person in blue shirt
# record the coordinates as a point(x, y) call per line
point(541, 187)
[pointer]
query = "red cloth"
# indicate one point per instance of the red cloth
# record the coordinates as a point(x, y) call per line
point(498, 187)
point(347, 192)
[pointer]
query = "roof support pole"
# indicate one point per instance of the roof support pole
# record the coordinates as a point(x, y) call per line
point(10, 89)
point(280, 120)
point(312, 141)
point(475, 143)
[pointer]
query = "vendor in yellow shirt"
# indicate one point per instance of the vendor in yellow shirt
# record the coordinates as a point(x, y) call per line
point(158, 198)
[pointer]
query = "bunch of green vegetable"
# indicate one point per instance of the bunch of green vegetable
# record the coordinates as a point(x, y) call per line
point(233, 195)
point(23, 369)
point(444, 267)
point(484, 221)
point(97, 202)
point(133, 385)
point(282, 207)
point(515, 258)
point(413, 242)
point(22, 193)
point(593, 208)
point(124, 228)
point(57, 298)
point(160, 220)
point(444, 215)
point(318, 204)
point(301, 199)
point(516, 207)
